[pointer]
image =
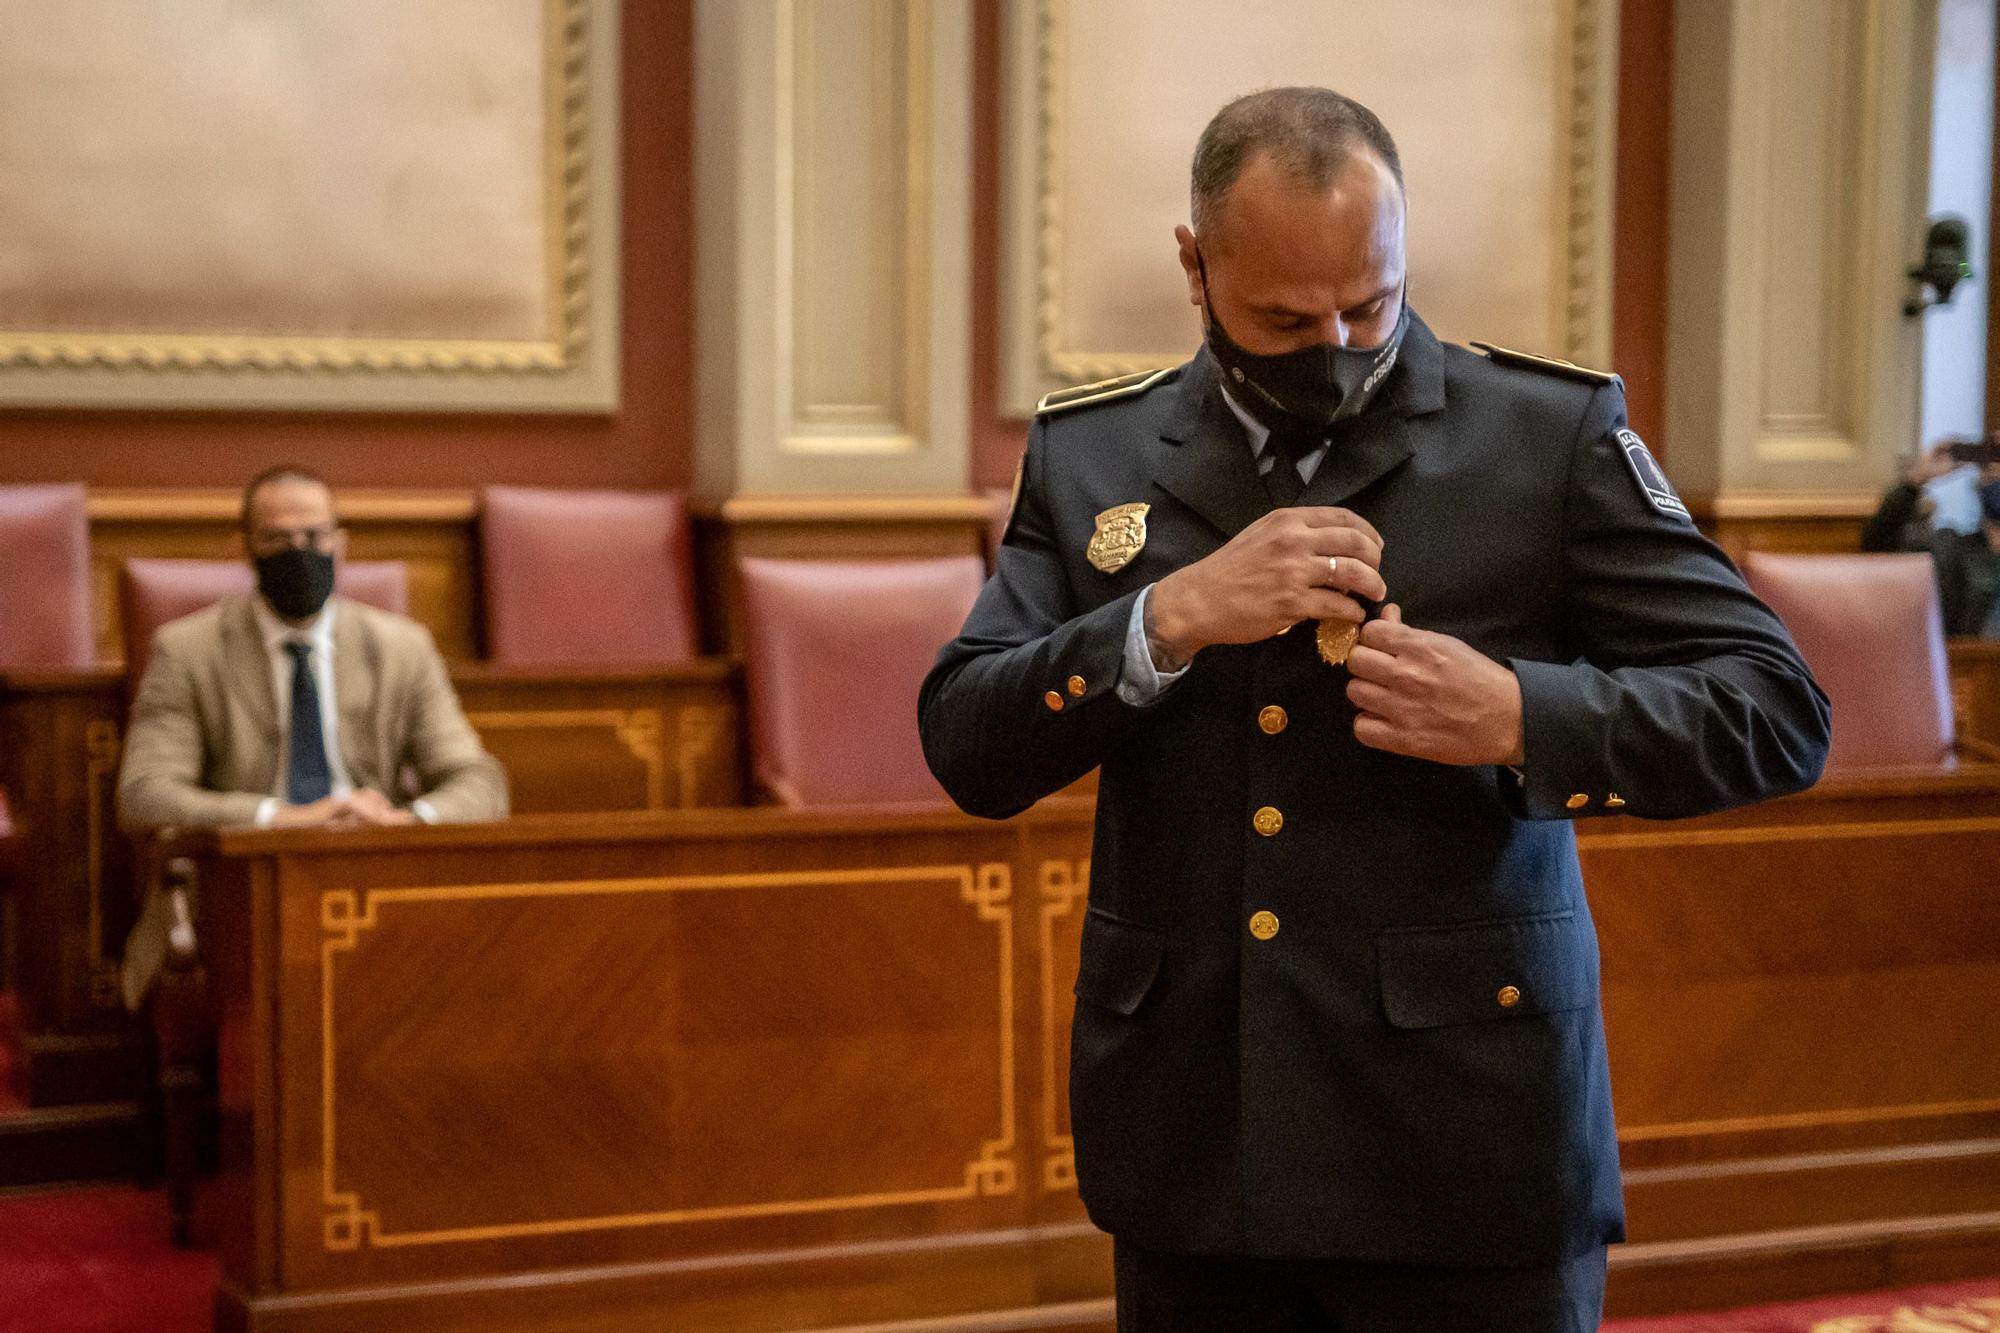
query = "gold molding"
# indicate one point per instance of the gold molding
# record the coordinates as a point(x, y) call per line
point(1586, 253)
point(348, 1225)
point(571, 145)
point(1063, 884)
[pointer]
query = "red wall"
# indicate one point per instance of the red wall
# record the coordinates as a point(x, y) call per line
point(1639, 273)
point(648, 443)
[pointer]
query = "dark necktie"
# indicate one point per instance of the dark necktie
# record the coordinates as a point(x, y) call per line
point(1283, 482)
point(307, 777)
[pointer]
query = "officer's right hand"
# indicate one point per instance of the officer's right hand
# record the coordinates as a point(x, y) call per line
point(1270, 576)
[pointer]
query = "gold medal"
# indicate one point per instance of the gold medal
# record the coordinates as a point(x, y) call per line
point(1121, 535)
point(1336, 640)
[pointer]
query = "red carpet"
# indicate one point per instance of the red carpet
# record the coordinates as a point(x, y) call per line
point(98, 1261)
point(1963, 1307)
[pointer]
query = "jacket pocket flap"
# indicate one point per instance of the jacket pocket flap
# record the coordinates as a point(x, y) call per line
point(1119, 961)
point(1438, 976)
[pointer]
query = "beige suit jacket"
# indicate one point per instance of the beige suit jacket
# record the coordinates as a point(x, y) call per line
point(202, 746)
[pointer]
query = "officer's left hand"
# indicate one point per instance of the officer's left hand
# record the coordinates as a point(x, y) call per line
point(1431, 696)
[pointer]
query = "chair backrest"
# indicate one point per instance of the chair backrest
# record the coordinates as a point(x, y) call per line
point(1870, 629)
point(836, 651)
point(153, 592)
point(576, 577)
point(45, 578)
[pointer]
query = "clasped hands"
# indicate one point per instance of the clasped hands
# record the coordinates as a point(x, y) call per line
point(365, 808)
point(1417, 693)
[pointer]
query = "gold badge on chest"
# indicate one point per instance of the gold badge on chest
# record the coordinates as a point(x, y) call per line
point(1121, 535)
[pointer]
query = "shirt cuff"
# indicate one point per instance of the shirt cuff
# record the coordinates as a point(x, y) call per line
point(424, 812)
point(1140, 682)
point(267, 811)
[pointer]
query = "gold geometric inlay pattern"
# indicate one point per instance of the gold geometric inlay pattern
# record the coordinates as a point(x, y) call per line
point(345, 914)
point(1064, 885)
point(637, 729)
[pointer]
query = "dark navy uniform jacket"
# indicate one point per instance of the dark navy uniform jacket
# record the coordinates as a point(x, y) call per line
point(1412, 1067)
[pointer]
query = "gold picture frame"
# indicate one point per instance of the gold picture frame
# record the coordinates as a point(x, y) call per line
point(559, 352)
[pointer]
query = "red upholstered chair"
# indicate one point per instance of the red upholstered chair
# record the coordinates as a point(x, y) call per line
point(576, 577)
point(45, 578)
point(1869, 627)
point(154, 592)
point(45, 619)
point(835, 653)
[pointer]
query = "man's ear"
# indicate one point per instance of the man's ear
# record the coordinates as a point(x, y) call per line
point(340, 543)
point(1190, 264)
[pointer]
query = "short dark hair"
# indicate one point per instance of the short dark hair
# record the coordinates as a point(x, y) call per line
point(270, 475)
point(1310, 132)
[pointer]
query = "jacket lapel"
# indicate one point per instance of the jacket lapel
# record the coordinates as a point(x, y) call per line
point(354, 681)
point(1374, 444)
point(247, 665)
point(1202, 458)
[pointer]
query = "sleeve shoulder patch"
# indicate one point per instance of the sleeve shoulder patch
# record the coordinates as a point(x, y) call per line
point(1102, 391)
point(1652, 481)
point(1547, 365)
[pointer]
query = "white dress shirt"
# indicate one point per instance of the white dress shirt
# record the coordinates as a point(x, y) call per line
point(318, 632)
point(1140, 682)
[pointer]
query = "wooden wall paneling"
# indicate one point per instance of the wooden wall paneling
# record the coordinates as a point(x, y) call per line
point(640, 738)
point(1795, 996)
point(432, 532)
point(809, 1027)
point(1975, 688)
point(822, 528)
point(74, 888)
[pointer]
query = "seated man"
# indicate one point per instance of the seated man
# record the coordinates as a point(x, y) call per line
point(1968, 563)
point(294, 708)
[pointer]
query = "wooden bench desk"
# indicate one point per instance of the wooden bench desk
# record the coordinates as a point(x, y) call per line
point(610, 738)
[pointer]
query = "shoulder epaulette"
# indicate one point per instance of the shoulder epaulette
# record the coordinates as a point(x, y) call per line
point(1102, 391)
point(1548, 365)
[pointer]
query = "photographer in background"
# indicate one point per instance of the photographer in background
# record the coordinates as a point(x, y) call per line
point(1968, 563)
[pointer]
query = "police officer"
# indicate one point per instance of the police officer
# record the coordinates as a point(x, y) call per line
point(1337, 1060)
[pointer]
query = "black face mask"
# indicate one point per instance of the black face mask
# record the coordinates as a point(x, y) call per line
point(1308, 389)
point(295, 581)
point(1989, 501)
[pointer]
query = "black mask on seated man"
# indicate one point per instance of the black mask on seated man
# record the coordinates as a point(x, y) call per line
point(295, 581)
point(1989, 500)
point(1306, 390)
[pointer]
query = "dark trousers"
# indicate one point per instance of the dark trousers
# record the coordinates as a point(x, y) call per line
point(1178, 1293)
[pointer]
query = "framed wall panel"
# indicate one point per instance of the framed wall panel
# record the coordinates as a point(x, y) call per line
point(389, 204)
point(1503, 112)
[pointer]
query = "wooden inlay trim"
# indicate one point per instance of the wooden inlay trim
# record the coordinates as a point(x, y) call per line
point(346, 913)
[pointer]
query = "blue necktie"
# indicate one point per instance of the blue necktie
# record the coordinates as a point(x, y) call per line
point(307, 777)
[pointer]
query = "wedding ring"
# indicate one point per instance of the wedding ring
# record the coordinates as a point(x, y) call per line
point(1333, 566)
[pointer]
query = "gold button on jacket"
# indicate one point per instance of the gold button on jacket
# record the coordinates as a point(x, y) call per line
point(1272, 720)
point(1509, 996)
point(1578, 801)
point(1077, 686)
point(1054, 701)
point(1267, 821)
point(1264, 925)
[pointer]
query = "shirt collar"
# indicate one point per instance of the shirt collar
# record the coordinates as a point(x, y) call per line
point(1254, 430)
point(318, 631)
